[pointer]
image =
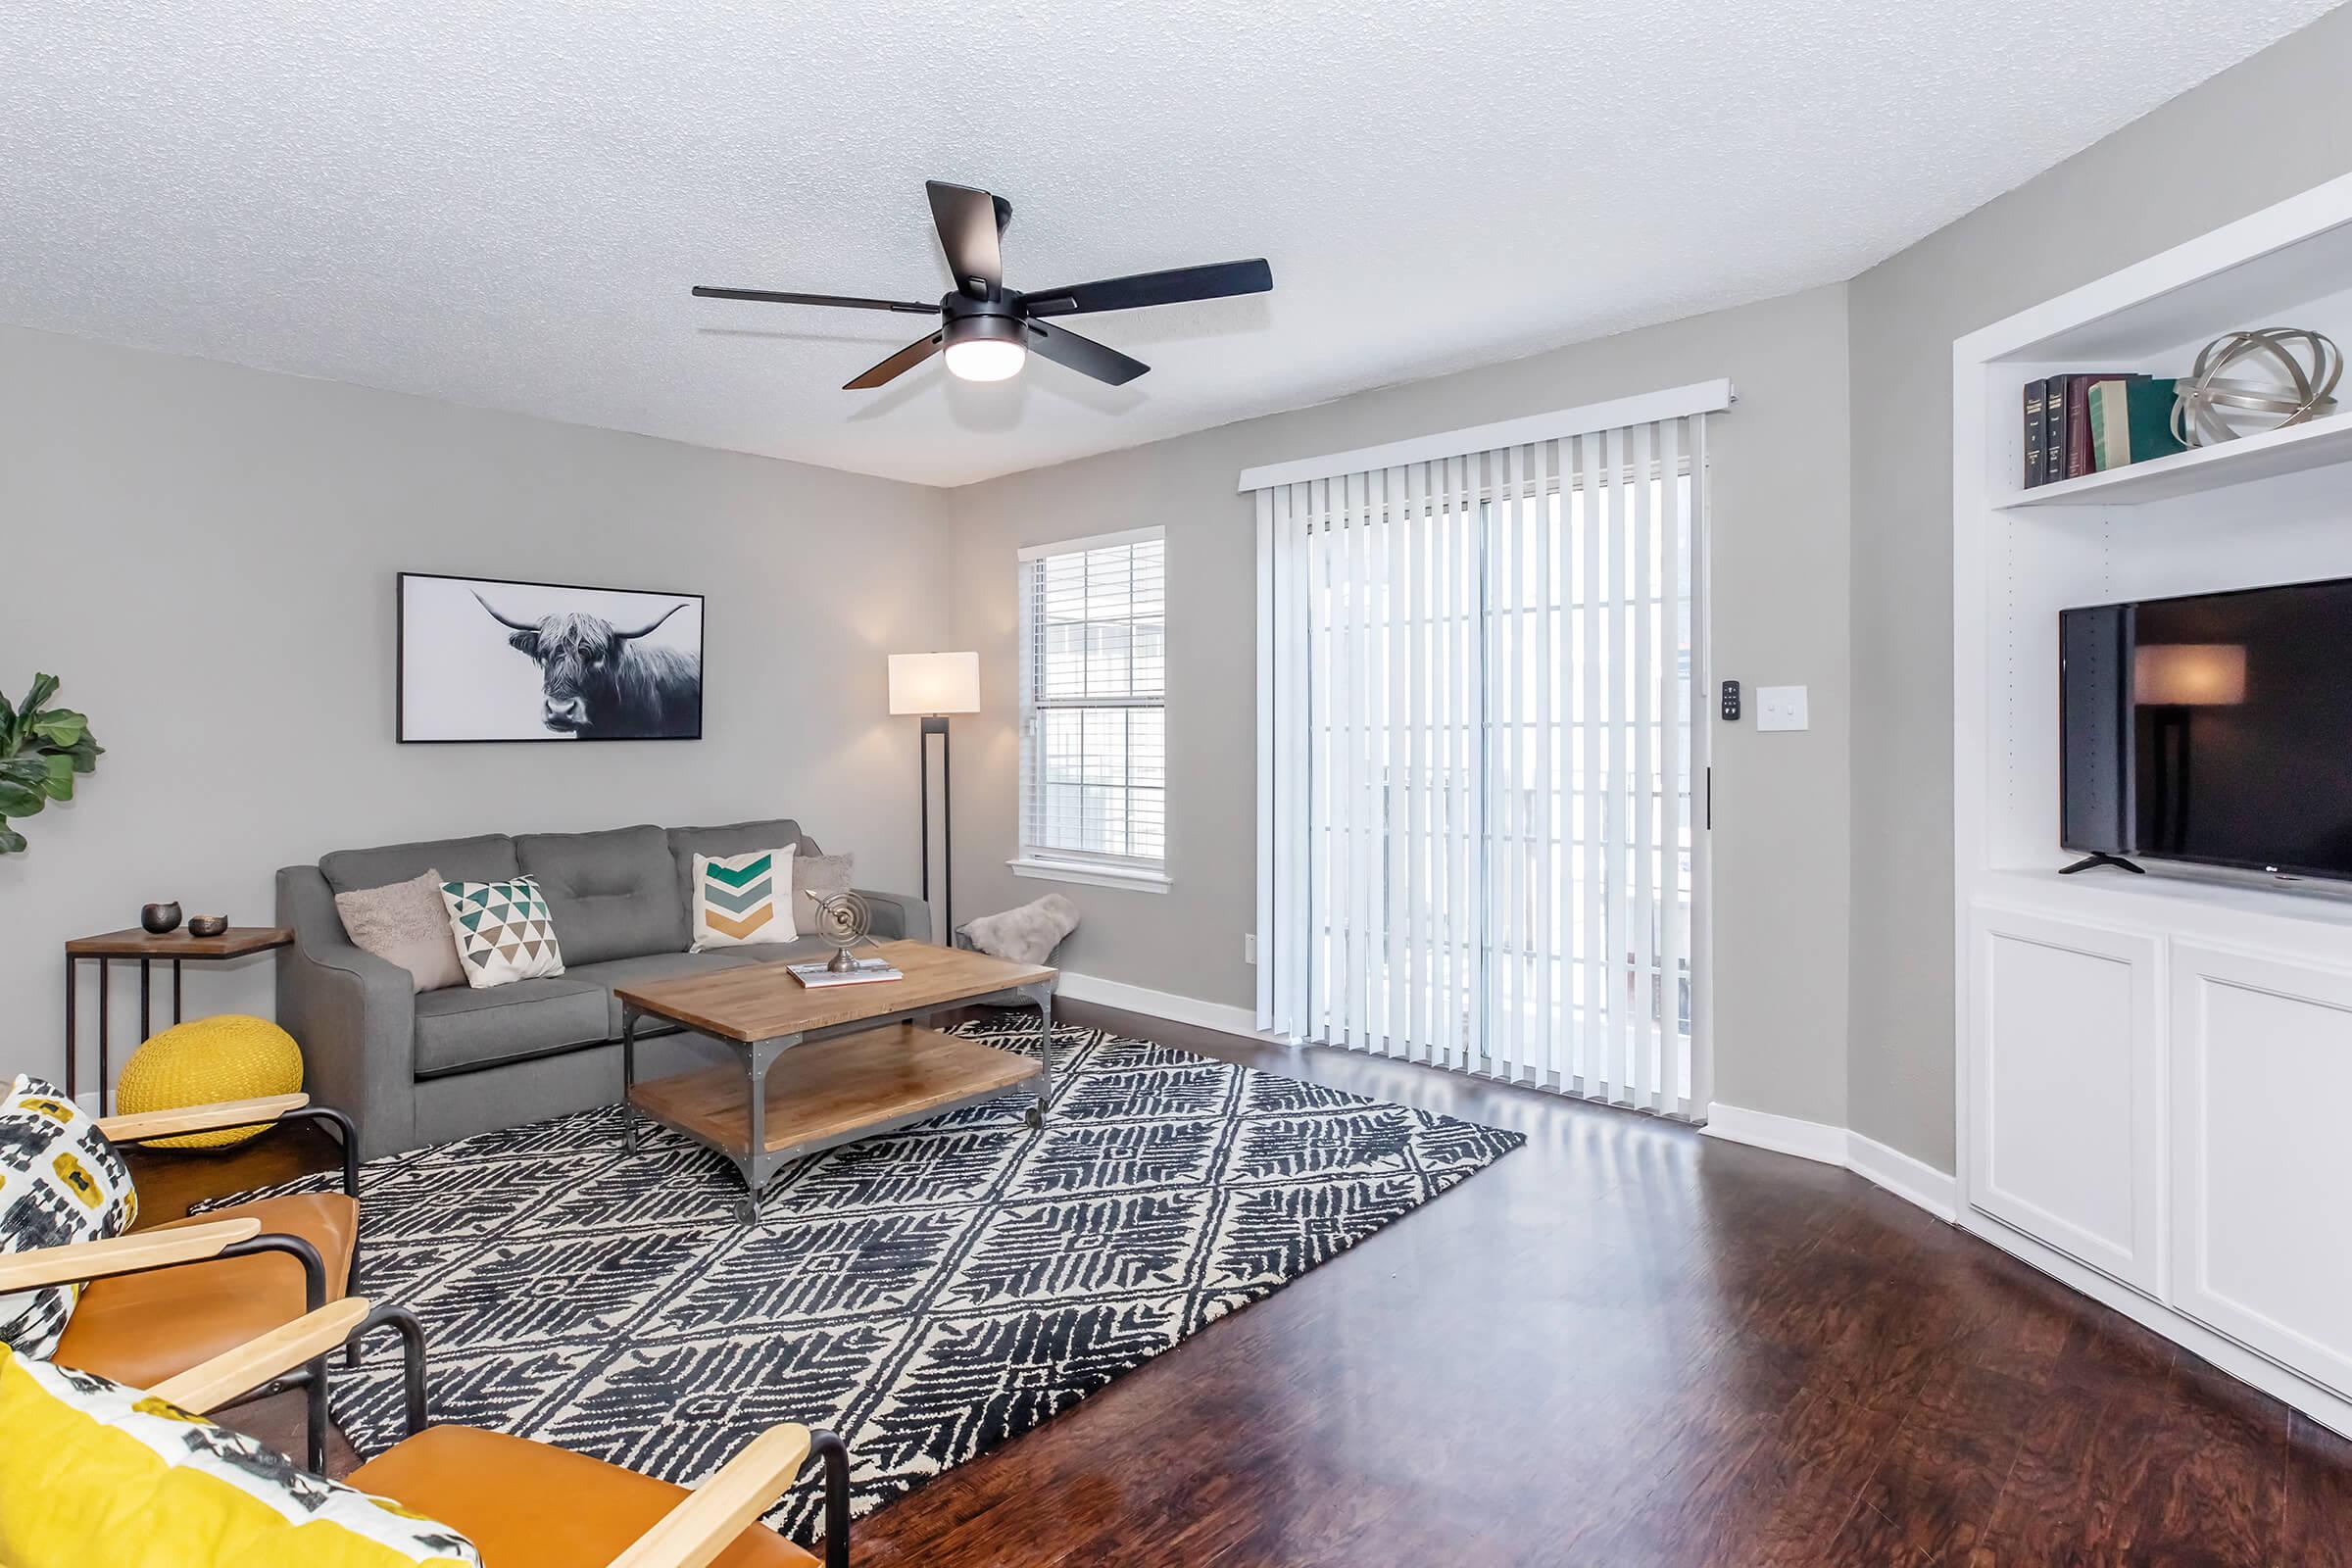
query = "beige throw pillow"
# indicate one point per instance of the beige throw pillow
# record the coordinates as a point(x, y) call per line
point(1028, 934)
point(814, 877)
point(405, 924)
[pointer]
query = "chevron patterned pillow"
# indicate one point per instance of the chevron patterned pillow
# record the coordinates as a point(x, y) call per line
point(743, 899)
point(504, 931)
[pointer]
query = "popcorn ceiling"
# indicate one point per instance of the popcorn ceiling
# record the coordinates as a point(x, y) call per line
point(502, 203)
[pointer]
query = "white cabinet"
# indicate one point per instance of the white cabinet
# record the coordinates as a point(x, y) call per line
point(2262, 1169)
point(2066, 1075)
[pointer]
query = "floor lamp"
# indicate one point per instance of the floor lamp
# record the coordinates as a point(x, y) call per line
point(931, 686)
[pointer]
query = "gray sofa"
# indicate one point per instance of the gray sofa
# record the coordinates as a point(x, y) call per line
point(417, 1068)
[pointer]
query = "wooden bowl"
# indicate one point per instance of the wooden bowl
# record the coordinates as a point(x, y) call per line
point(207, 925)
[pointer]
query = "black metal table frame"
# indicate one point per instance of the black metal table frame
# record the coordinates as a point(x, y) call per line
point(105, 1013)
point(757, 1163)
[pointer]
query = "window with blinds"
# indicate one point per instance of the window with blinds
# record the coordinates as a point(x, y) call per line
point(1094, 706)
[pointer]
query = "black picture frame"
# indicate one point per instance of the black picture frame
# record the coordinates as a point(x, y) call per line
point(400, 661)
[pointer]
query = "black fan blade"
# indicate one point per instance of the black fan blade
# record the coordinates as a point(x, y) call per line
point(968, 232)
point(898, 363)
point(852, 302)
point(1174, 287)
point(1084, 355)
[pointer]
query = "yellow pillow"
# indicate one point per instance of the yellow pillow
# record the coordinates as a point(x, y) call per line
point(96, 1475)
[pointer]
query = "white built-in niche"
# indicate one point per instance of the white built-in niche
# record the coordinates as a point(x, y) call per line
point(2153, 1072)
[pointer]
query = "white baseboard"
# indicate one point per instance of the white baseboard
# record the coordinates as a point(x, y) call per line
point(1783, 1134)
point(1218, 1015)
point(1912, 1180)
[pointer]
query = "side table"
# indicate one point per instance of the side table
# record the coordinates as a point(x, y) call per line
point(237, 942)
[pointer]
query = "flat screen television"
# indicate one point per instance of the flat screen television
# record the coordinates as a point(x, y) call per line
point(2211, 728)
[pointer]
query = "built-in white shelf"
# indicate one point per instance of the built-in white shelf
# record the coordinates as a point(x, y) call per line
point(2311, 914)
point(2150, 1070)
point(2316, 444)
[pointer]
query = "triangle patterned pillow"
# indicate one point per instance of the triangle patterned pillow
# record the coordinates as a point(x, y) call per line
point(740, 900)
point(504, 931)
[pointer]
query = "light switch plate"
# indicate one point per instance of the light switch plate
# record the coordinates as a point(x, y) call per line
point(1779, 706)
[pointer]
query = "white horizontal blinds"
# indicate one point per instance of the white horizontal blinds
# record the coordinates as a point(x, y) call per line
point(1485, 731)
point(1094, 700)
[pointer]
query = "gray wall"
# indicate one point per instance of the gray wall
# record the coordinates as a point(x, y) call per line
point(2256, 135)
point(1781, 556)
point(206, 555)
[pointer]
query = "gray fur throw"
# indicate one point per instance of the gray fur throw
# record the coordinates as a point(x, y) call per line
point(1028, 934)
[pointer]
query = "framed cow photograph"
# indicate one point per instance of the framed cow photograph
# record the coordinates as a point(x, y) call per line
point(485, 659)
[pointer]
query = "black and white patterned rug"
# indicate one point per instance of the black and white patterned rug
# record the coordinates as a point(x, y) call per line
point(927, 1294)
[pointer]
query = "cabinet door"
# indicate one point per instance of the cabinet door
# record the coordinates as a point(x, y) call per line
point(2261, 1173)
point(2065, 1123)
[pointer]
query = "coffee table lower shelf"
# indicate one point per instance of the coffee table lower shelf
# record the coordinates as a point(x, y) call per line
point(825, 1092)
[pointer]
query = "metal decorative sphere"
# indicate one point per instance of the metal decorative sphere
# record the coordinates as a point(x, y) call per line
point(2221, 399)
point(844, 920)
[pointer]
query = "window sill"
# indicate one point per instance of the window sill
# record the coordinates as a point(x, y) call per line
point(1092, 876)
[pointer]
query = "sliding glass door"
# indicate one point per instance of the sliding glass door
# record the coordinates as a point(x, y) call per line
point(1482, 735)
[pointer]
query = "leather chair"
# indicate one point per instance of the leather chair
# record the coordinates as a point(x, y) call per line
point(161, 1301)
point(525, 1505)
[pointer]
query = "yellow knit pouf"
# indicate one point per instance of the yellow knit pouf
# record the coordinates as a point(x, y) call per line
point(230, 1056)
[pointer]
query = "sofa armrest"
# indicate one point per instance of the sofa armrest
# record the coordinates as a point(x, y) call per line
point(354, 1015)
point(898, 915)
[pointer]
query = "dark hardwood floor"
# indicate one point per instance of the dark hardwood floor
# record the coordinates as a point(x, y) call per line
point(1622, 1345)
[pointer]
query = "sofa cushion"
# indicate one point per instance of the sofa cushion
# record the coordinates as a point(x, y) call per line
point(613, 894)
point(734, 837)
point(487, 858)
point(659, 966)
point(466, 1028)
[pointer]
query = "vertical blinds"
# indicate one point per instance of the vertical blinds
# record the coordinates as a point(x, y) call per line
point(1094, 698)
point(1479, 731)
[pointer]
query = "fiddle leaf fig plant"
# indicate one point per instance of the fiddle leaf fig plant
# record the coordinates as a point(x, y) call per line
point(41, 749)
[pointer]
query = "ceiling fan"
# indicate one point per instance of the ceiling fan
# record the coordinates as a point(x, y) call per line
point(988, 330)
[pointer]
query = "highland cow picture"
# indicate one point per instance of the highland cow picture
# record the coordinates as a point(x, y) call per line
point(483, 659)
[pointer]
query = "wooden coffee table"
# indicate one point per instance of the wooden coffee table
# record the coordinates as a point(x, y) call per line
point(820, 1068)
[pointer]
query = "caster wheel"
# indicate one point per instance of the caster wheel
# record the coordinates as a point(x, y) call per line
point(1035, 1116)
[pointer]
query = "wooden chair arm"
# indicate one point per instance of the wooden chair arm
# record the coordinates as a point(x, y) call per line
point(124, 1255)
point(722, 1507)
point(199, 1118)
point(262, 1358)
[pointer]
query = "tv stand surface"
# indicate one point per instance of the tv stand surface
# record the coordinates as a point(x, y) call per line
point(2088, 861)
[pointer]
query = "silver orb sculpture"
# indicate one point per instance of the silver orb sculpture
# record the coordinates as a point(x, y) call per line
point(845, 920)
point(2245, 383)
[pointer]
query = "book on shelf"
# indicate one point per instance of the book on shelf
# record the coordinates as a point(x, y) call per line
point(860, 972)
point(2130, 420)
point(2037, 429)
point(2069, 455)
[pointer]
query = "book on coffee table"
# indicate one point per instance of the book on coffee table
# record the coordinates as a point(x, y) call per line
point(861, 971)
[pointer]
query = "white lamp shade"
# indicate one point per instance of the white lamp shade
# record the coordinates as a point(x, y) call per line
point(935, 683)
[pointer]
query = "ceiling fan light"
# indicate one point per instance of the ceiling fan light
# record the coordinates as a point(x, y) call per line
point(986, 359)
